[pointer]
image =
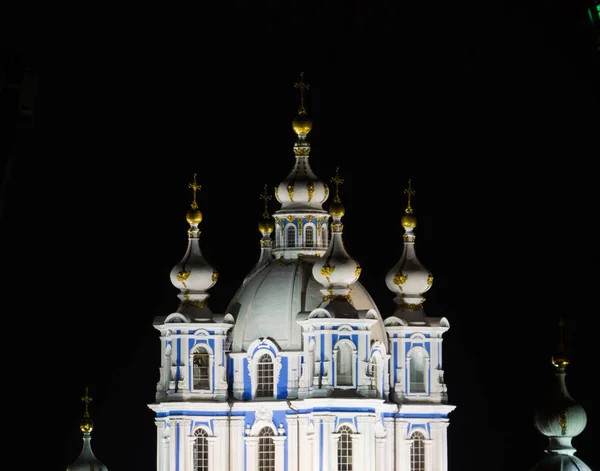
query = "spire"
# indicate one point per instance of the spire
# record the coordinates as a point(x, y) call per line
point(265, 227)
point(409, 279)
point(336, 270)
point(301, 186)
point(560, 418)
point(87, 460)
point(193, 276)
point(560, 360)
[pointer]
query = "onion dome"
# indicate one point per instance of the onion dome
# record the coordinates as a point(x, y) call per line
point(560, 418)
point(193, 276)
point(409, 279)
point(336, 270)
point(301, 189)
point(86, 460)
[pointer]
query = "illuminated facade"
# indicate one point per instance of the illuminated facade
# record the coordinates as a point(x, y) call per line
point(301, 372)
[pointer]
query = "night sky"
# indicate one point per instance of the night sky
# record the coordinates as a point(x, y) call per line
point(492, 112)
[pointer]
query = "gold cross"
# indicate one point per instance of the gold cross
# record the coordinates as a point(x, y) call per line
point(337, 180)
point(86, 399)
point(409, 191)
point(195, 187)
point(302, 86)
point(265, 197)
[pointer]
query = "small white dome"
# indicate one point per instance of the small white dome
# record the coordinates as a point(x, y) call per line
point(87, 460)
point(193, 276)
point(557, 462)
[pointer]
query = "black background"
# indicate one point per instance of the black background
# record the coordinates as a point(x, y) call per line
point(491, 110)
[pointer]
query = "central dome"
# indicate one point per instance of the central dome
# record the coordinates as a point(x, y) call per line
point(268, 303)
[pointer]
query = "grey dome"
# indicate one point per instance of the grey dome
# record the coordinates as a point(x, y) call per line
point(267, 304)
point(554, 462)
point(87, 460)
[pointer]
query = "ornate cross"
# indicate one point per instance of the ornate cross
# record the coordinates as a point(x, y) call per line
point(195, 187)
point(409, 191)
point(266, 197)
point(338, 181)
point(302, 86)
point(86, 399)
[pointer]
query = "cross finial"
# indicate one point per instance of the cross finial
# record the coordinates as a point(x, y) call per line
point(195, 187)
point(302, 86)
point(266, 197)
point(338, 181)
point(86, 399)
point(409, 191)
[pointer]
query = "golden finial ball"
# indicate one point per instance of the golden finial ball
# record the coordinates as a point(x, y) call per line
point(86, 425)
point(408, 220)
point(560, 361)
point(302, 125)
point(337, 209)
point(193, 216)
point(265, 226)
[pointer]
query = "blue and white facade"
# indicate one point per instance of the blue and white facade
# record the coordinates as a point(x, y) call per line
point(302, 372)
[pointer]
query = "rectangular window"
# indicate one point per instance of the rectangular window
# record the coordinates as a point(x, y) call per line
point(264, 387)
point(201, 371)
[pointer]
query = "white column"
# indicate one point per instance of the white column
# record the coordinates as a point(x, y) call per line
point(212, 463)
point(328, 443)
point(335, 443)
point(402, 448)
point(388, 423)
point(222, 445)
point(185, 445)
point(305, 444)
point(189, 455)
point(251, 453)
point(440, 445)
point(357, 452)
point(360, 448)
point(317, 443)
point(173, 445)
point(380, 463)
point(279, 452)
point(161, 450)
point(236, 449)
point(429, 465)
point(293, 445)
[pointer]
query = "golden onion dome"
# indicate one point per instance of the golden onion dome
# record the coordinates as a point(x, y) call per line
point(337, 209)
point(265, 226)
point(86, 425)
point(560, 361)
point(193, 216)
point(302, 125)
point(408, 220)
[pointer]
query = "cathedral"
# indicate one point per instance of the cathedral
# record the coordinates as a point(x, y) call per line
point(302, 372)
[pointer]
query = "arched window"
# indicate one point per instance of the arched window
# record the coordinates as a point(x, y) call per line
point(417, 452)
point(324, 242)
point(266, 450)
point(343, 363)
point(417, 359)
point(200, 450)
point(309, 236)
point(264, 376)
point(290, 236)
point(201, 369)
point(345, 449)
